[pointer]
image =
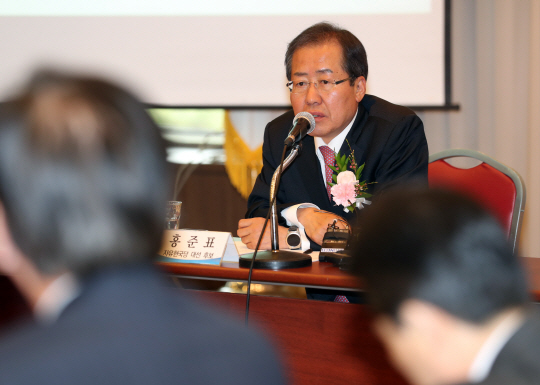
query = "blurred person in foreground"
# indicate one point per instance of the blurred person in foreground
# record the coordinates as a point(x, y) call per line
point(83, 185)
point(450, 298)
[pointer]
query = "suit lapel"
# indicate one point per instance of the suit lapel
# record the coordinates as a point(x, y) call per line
point(356, 130)
point(352, 141)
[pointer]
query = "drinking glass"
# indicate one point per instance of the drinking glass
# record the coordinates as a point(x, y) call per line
point(172, 217)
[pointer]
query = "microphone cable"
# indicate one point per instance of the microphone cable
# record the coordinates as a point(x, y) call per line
point(262, 234)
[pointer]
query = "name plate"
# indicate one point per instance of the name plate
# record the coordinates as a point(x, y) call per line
point(197, 246)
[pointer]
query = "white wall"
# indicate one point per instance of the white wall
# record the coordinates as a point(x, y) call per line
point(496, 80)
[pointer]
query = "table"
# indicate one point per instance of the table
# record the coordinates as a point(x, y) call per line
point(318, 275)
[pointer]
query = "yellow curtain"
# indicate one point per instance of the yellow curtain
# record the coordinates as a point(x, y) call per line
point(241, 162)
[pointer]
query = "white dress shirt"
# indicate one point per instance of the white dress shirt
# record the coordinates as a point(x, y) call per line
point(491, 348)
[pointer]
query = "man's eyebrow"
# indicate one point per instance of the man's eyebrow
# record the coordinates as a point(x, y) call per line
point(325, 71)
point(321, 71)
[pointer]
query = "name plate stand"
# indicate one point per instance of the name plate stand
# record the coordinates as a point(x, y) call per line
point(197, 246)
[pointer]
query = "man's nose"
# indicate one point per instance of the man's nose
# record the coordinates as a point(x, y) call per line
point(312, 94)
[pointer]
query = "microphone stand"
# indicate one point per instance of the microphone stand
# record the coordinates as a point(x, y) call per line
point(276, 259)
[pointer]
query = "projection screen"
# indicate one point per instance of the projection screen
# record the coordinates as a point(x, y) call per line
point(220, 53)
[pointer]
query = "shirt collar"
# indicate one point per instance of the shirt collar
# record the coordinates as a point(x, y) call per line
point(491, 348)
point(336, 143)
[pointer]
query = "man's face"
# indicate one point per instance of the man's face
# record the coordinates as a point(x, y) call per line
point(332, 110)
point(406, 349)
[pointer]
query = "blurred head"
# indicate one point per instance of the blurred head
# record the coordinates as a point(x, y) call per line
point(327, 54)
point(83, 176)
point(436, 268)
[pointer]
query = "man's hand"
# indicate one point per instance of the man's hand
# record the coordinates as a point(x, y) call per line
point(250, 230)
point(316, 222)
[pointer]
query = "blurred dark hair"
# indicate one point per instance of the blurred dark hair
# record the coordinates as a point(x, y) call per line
point(354, 60)
point(439, 247)
point(83, 175)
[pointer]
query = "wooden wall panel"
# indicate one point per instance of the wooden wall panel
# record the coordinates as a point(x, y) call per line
point(209, 201)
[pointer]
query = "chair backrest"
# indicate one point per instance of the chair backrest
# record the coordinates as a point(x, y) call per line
point(498, 188)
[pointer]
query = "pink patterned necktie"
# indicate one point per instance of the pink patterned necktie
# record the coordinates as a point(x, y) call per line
point(341, 299)
point(329, 158)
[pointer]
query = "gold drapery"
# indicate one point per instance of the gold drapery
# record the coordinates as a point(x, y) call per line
point(241, 162)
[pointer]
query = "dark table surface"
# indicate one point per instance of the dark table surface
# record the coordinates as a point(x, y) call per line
point(319, 274)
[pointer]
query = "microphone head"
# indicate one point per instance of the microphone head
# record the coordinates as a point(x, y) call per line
point(308, 117)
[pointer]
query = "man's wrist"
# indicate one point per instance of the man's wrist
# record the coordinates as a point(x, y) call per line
point(290, 215)
point(302, 212)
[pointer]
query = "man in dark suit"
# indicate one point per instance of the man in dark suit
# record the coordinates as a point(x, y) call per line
point(83, 185)
point(450, 298)
point(327, 68)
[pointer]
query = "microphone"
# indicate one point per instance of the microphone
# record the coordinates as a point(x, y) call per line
point(303, 124)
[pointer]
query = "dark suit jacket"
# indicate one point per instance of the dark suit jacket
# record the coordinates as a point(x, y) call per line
point(127, 327)
point(388, 138)
point(518, 361)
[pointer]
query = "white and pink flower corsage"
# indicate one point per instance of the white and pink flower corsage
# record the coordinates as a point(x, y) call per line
point(346, 188)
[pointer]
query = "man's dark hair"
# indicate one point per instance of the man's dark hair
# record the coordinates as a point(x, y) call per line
point(438, 247)
point(83, 175)
point(354, 60)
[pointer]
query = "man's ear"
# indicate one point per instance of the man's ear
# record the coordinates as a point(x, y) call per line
point(430, 319)
point(360, 88)
point(10, 255)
